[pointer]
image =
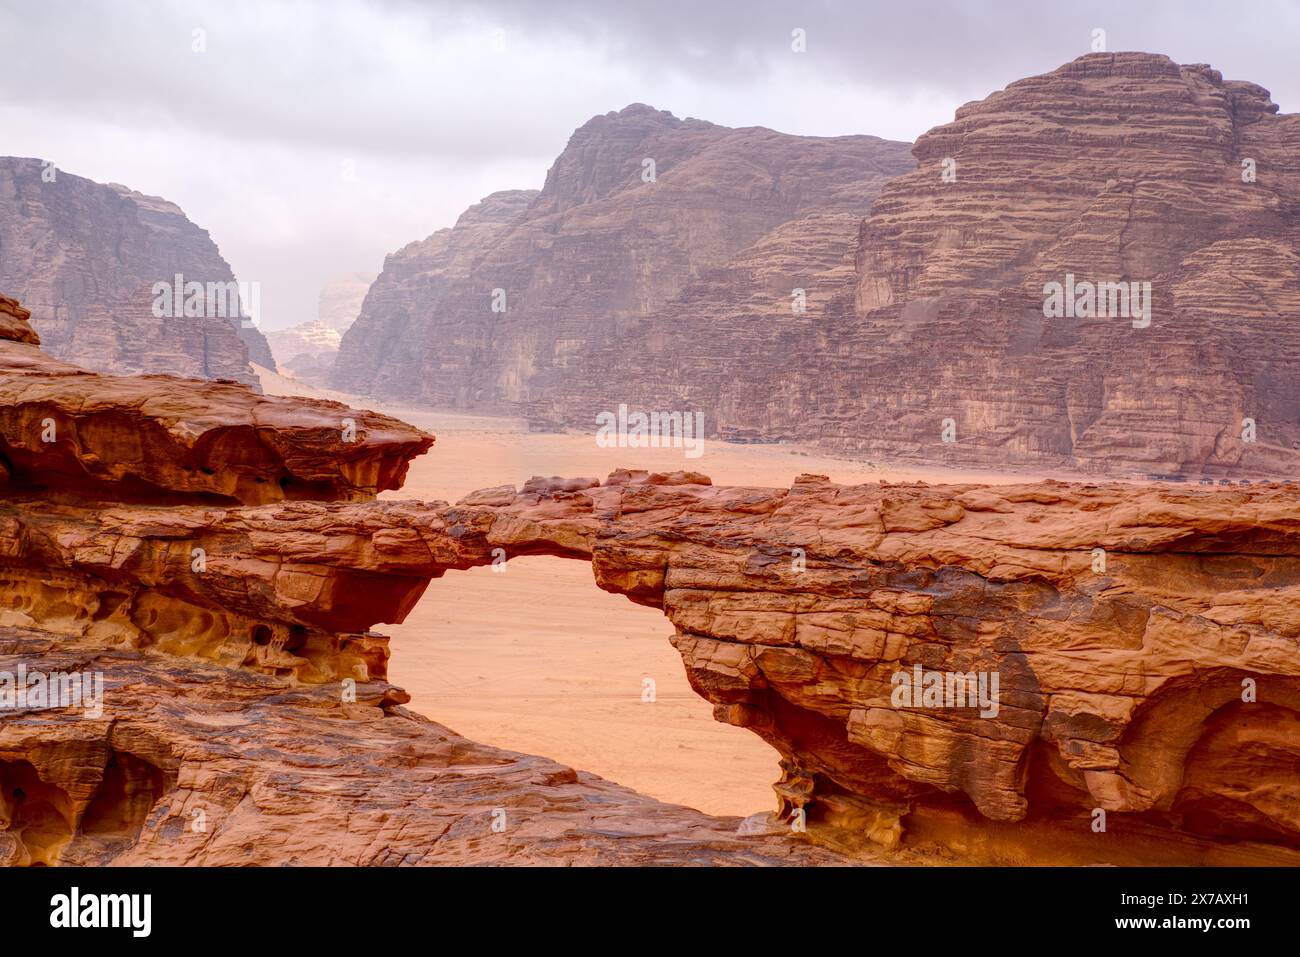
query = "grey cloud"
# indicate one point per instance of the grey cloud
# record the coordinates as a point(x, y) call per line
point(289, 73)
point(248, 138)
point(963, 47)
point(309, 74)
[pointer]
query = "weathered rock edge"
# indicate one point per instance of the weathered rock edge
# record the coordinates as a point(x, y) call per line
point(1122, 622)
point(1144, 639)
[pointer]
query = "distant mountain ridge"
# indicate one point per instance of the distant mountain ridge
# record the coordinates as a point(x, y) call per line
point(935, 341)
point(497, 311)
point(307, 350)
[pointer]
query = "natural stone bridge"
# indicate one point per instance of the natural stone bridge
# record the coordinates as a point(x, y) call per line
point(1144, 639)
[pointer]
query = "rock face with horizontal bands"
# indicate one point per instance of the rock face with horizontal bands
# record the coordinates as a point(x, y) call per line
point(1135, 632)
point(598, 249)
point(244, 716)
point(1098, 649)
point(78, 435)
point(84, 258)
point(1120, 167)
point(191, 765)
point(15, 323)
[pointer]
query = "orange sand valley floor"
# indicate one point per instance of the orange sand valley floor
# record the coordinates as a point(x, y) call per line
point(538, 659)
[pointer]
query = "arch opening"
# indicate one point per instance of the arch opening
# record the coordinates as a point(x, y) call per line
point(531, 655)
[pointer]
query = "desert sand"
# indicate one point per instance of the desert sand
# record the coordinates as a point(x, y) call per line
point(538, 659)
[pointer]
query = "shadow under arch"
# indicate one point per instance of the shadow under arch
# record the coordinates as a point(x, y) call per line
point(1182, 738)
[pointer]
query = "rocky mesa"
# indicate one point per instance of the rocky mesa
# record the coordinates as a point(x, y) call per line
point(499, 310)
point(1161, 199)
point(84, 257)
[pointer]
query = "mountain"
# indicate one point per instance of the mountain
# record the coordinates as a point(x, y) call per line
point(340, 299)
point(945, 339)
point(498, 310)
point(86, 257)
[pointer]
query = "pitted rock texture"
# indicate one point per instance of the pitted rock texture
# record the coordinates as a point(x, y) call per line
point(289, 589)
point(77, 434)
point(1143, 640)
point(1123, 624)
point(1126, 625)
point(597, 250)
point(195, 765)
point(1121, 167)
point(228, 715)
point(84, 258)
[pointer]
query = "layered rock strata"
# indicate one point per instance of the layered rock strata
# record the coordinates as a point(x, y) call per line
point(84, 257)
point(931, 341)
point(1127, 655)
point(195, 765)
point(499, 311)
point(74, 434)
point(231, 706)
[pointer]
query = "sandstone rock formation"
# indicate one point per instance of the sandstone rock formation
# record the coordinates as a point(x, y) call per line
point(84, 258)
point(241, 725)
point(600, 247)
point(68, 433)
point(15, 323)
point(1142, 638)
point(1121, 167)
point(200, 766)
point(1133, 647)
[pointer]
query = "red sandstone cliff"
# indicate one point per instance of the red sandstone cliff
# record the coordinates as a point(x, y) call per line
point(595, 251)
point(84, 258)
point(1114, 168)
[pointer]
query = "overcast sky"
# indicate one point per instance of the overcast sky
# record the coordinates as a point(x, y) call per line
point(312, 138)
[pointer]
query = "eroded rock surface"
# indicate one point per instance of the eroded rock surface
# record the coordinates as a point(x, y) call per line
point(195, 765)
point(15, 323)
point(76, 434)
point(1127, 651)
point(230, 705)
point(1120, 672)
point(1139, 635)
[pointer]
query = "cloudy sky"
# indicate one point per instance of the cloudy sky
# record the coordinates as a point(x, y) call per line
point(312, 138)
